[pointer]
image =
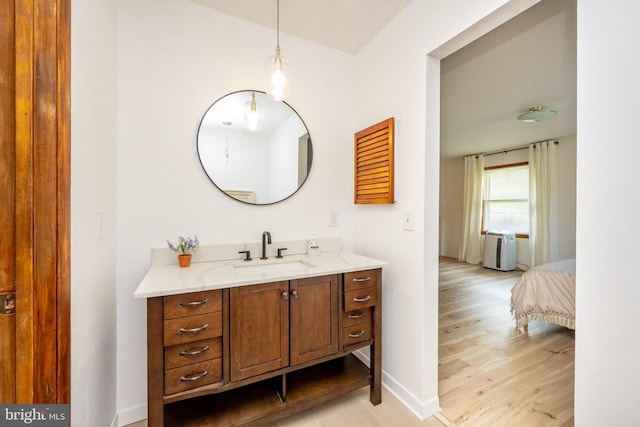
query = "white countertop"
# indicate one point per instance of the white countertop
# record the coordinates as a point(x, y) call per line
point(163, 280)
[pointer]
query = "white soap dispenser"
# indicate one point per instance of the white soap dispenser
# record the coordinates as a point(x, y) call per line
point(314, 248)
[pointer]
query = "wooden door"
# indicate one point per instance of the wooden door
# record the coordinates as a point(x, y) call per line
point(314, 318)
point(7, 203)
point(259, 329)
point(34, 201)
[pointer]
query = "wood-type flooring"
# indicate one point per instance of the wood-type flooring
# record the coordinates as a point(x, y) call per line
point(490, 373)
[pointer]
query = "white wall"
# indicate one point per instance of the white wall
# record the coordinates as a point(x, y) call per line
point(235, 174)
point(93, 188)
point(175, 57)
point(395, 77)
point(608, 219)
point(284, 157)
point(451, 195)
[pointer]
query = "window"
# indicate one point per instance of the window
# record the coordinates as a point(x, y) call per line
point(506, 199)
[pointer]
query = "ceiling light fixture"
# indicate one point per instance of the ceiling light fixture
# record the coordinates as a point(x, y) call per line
point(252, 114)
point(277, 68)
point(536, 114)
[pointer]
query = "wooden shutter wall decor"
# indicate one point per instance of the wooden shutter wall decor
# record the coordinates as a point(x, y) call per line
point(373, 164)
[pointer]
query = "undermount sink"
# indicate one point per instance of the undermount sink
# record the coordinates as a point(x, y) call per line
point(271, 267)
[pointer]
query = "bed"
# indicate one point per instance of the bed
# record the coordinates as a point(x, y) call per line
point(547, 293)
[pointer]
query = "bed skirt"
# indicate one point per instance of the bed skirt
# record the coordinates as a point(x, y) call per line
point(561, 319)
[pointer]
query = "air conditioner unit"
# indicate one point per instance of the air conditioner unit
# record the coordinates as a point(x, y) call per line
point(500, 250)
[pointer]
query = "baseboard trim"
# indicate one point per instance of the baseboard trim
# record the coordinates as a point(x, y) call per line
point(131, 415)
point(422, 409)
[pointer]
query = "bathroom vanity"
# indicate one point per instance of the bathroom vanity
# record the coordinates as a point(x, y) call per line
point(234, 342)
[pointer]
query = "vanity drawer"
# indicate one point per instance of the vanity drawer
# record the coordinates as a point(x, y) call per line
point(361, 298)
point(354, 317)
point(192, 352)
point(192, 328)
point(360, 279)
point(356, 333)
point(192, 304)
point(192, 376)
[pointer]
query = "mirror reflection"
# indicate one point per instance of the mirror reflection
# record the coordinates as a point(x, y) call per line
point(254, 149)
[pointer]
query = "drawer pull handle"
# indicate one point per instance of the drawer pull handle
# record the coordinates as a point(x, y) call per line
point(192, 303)
point(355, 316)
point(365, 299)
point(364, 279)
point(201, 328)
point(195, 352)
point(358, 335)
point(195, 377)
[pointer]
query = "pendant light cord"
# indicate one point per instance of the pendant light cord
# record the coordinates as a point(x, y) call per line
point(278, 24)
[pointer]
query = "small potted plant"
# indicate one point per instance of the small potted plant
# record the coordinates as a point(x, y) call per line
point(184, 247)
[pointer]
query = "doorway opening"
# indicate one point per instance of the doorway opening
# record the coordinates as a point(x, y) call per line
point(477, 336)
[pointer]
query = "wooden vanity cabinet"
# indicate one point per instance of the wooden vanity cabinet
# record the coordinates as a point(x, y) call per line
point(185, 346)
point(274, 325)
point(272, 349)
point(314, 318)
point(259, 329)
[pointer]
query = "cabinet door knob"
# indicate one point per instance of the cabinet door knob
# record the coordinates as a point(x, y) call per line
point(295, 294)
point(285, 295)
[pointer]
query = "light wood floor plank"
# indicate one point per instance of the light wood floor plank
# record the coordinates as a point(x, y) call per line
point(354, 410)
point(490, 373)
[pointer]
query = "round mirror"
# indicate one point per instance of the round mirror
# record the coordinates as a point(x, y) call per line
point(254, 149)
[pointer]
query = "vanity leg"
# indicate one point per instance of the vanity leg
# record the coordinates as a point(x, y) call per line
point(375, 350)
point(282, 392)
point(155, 363)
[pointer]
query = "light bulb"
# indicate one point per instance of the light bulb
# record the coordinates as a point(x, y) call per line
point(277, 77)
point(253, 114)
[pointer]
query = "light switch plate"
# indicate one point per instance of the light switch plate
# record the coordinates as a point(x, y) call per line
point(334, 218)
point(407, 220)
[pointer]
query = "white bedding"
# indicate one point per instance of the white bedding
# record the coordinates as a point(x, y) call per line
point(547, 293)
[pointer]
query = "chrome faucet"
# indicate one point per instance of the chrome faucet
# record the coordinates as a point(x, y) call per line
point(265, 235)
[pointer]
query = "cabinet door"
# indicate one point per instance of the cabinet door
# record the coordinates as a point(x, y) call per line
point(259, 329)
point(314, 318)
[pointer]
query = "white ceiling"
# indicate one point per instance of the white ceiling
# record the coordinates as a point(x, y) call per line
point(528, 61)
point(346, 25)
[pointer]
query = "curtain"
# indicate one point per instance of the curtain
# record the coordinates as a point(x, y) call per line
point(543, 189)
point(472, 239)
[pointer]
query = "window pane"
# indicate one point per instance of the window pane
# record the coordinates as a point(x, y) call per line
point(507, 216)
point(508, 183)
point(506, 205)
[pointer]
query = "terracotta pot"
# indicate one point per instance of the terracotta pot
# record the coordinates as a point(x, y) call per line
point(184, 260)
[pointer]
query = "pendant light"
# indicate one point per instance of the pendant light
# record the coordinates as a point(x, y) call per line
point(252, 114)
point(225, 157)
point(277, 68)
